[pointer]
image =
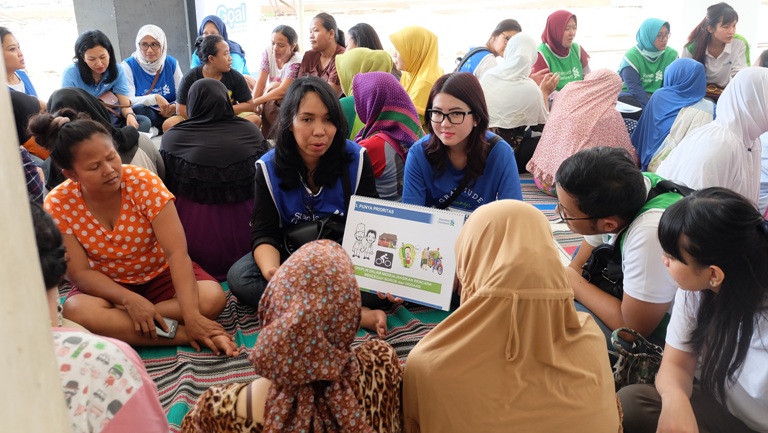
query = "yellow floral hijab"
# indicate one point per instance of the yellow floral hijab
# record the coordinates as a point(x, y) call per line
point(418, 48)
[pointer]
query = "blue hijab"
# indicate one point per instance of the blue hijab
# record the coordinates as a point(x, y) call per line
point(646, 38)
point(234, 47)
point(685, 83)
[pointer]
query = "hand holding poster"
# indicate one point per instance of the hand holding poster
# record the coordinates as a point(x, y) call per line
point(403, 249)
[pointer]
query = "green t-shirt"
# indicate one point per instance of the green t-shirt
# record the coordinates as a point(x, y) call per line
point(651, 73)
point(568, 68)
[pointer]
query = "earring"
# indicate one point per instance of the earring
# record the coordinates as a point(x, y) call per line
point(475, 125)
point(712, 283)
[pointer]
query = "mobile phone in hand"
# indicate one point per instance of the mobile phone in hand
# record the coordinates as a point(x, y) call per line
point(172, 325)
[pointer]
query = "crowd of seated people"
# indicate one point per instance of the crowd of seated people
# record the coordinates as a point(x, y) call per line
point(151, 233)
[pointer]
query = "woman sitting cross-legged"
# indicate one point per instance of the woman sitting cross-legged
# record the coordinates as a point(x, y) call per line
point(311, 377)
point(210, 162)
point(391, 127)
point(128, 261)
point(455, 164)
point(311, 173)
point(712, 376)
point(516, 355)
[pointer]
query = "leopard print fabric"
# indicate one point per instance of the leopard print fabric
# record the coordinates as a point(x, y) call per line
point(379, 384)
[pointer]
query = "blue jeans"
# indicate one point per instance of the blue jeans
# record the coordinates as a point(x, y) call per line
point(153, 116)
point(246, 282)
point(119, 122)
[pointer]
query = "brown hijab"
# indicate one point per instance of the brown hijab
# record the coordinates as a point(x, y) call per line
point(516, 354)
point(310, 315)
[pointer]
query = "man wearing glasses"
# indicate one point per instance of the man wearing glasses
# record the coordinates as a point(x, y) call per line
point(602, 195)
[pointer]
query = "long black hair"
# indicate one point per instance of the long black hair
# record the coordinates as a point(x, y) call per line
point(700, 36)
point(50, 246)
point(716, 226)
point(365, 36)
point(90, 39)
point(288, 161)
point(290, 35)
point(465, 87)
point(329, 23)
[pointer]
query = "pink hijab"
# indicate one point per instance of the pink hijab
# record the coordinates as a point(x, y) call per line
point(583, 115)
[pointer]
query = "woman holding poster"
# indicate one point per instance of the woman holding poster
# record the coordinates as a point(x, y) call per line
point(311, 173)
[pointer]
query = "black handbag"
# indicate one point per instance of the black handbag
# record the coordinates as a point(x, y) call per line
point(603, 269)
point(328, 227)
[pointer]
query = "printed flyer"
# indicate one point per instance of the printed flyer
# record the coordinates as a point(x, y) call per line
point(403, 249)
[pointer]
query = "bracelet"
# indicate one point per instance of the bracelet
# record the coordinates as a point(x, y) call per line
point(131, 114)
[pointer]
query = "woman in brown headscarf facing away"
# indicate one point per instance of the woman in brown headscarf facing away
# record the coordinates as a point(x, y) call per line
point(516, 356)
point(312, 380)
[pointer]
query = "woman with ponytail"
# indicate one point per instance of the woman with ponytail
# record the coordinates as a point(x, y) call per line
point(715, 44)
point(126, 251)
point(715, 246)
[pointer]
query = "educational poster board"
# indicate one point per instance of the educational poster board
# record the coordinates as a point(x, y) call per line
point(403, 249)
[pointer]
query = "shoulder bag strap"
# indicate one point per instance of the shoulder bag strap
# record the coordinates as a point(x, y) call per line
point(152, 86)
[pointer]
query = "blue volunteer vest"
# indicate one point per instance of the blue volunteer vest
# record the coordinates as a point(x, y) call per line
point(294, 205)
point(165, 85)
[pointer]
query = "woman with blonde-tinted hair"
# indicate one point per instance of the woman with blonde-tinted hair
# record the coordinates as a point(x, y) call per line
point(416, 57)
point(516, 354)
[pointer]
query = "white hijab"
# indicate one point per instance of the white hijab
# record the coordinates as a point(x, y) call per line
point(513, 99)
point(726, 152)
point(156, 32)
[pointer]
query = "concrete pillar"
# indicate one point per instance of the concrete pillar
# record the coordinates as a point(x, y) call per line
point(120, 20)
point(31, 399)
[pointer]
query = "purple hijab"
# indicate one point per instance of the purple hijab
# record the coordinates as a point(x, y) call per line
point(384, 106)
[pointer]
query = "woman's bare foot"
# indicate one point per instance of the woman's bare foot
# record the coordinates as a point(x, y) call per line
point(225, 343)
point(374, 320)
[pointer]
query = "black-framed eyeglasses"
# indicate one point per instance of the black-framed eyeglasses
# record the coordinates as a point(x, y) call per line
point(561, 214)
point(145, 46)
point(454, 117)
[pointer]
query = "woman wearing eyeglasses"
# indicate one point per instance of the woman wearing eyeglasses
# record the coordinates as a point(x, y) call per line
point(457, 153)
point(153, 76)
point(642, 68)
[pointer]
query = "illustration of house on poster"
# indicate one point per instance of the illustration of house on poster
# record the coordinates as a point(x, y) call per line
point(403, 249)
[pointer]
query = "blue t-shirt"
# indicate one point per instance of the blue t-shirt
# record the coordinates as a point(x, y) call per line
point(238, 63)
point(71, 78)
point(29, 89)
point(500, 179)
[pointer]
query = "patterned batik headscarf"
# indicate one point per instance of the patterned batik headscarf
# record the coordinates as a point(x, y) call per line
point(310, 314)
